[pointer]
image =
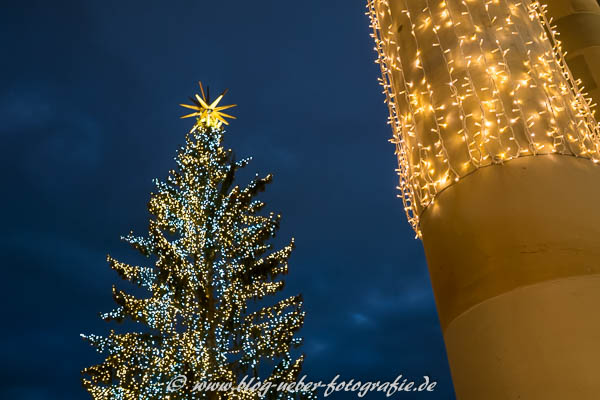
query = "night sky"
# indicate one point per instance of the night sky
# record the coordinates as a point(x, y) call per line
point(89, 116)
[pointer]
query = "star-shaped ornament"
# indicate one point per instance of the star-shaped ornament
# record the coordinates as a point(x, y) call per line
point(207, 113)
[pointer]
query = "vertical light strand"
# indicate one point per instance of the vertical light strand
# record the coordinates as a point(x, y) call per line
point(516, 31)
point(455, 94)
point(408, 122)
point(442, 151)
point(580, 104)
point(547, 101)
point(471, 89)
point(407, 184)
point(545, 73)
point(491, 71)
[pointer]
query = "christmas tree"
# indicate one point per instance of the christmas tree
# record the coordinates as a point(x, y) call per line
point(203, 319)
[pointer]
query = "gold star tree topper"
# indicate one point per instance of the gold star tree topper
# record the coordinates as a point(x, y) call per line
point(207, 113)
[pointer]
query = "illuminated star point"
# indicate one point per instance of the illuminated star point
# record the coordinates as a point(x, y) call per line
point(207, 113)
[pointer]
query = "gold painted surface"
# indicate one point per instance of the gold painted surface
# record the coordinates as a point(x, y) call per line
point(539, 342)
point(531, 220)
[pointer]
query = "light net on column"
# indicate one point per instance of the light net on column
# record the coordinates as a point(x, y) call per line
point(472, 83)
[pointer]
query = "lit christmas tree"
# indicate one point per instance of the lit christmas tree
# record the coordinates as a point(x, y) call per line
point(202, 321)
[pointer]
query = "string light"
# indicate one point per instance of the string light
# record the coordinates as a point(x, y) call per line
point(471, 84)
point(210, 241)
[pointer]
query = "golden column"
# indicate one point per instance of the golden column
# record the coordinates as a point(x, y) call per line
point(497, 150)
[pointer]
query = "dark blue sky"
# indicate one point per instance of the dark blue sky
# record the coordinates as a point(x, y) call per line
point(89, 115)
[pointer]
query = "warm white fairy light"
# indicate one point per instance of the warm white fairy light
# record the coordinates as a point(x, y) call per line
point(471, 84)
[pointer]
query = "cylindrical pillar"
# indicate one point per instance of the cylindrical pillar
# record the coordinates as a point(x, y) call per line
point(497, 155)
point(514, 259)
